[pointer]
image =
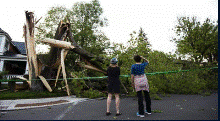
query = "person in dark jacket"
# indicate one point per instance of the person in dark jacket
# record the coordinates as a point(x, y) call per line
point(113, 73)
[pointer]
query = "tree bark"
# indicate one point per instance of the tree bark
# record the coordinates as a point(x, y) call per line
point(47, 66)
point(36, 85)
point(53, 59)
point(87, 57)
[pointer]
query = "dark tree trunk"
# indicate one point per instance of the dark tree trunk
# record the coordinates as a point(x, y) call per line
point(52, 59)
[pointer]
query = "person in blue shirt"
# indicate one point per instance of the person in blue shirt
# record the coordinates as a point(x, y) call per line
point(140, 83)
point(113, 73)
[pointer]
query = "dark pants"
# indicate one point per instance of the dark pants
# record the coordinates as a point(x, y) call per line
point(140, 102)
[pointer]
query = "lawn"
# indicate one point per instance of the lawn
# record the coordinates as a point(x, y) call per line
point(26, 94)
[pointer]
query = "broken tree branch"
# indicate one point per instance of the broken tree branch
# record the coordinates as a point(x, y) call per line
point(57, 43)
point(63, 53)
point(37, 21)
point(45, 83)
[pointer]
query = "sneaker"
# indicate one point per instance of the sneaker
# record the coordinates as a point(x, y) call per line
point(147, 112)
point(142, 116)
point(118, 114)
point(108, 113)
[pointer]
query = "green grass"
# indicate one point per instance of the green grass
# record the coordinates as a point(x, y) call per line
point(92, 94)
point(207, 93)
point(155, 97)
point(157, 111)
point(5, 95)
point(163, 94)
point(168, 95)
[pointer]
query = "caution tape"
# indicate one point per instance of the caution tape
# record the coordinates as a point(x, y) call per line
point(126, 76)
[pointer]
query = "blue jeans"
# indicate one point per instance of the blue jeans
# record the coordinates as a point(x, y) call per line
point(140, 102)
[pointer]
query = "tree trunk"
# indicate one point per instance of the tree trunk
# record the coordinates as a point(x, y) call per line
point(52, 61)
point(87, 57)
point(31, 54)
point(46, 65)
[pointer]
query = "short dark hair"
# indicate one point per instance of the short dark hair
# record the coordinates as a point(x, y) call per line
point(137, 58)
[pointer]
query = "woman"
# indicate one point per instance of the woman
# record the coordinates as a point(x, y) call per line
point(113, 73)
point(140, 83)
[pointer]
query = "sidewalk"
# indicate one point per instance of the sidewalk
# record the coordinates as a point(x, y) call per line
point(41, 102)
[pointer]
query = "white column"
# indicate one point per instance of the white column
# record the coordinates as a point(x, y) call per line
point(1, 65)
point(26, 70)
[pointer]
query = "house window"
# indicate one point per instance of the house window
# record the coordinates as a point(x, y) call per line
point(15, 67)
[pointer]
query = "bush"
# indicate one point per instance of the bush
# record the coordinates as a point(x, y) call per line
point(92, 94)
point(191, 82)
point(81, 89)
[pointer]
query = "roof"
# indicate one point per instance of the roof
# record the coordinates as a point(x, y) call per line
point(5, 33)
point(20, 46)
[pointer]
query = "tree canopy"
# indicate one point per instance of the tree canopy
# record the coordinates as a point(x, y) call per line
point(86, 20)
point(193, 38)
point(200, 41)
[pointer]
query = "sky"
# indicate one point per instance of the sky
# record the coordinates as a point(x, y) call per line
point(158, 18)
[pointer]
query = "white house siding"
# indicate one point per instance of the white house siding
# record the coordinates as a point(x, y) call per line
point(2, 44)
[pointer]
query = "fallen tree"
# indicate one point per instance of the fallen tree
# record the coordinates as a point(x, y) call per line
point(49, 66)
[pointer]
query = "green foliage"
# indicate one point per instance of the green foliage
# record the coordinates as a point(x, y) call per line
point(29, 95)
point(81, 89)
point(200, 41)
point(195, 39)
point(207, 93)
point(157, 111)
point(132, 94)
point(86, 23)
point(3, 73)
point(155, 97)
point(92, 94)
point(168, 95)
point(137, 45)
point(192, 82)
point(77, 86)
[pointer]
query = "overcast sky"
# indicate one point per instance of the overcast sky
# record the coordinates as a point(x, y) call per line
point(156, 17)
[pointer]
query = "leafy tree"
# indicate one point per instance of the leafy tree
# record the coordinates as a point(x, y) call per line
point(138, 44)
point(86, 21)
point(210, 37)
point(196, 39)
point(179, 83)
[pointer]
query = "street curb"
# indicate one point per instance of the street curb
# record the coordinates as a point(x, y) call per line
point(28, 107)
point(12, 104)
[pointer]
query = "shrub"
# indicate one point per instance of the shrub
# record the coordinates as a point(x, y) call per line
point(92, 94)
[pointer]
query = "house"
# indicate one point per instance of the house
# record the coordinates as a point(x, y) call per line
point(13, 57)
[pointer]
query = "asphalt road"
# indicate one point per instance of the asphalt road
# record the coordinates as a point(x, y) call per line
point(176, 107)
